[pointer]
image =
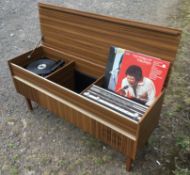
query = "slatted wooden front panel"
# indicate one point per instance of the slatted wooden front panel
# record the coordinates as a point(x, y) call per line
point(79, 119)
point(79, 101)
point(89, 36)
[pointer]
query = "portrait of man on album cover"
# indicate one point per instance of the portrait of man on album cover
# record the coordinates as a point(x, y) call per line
point(135, 76)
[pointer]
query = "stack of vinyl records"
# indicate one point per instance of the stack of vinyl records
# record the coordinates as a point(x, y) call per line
point(116, 102)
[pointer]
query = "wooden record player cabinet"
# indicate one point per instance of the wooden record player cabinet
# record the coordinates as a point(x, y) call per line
point(83, 40)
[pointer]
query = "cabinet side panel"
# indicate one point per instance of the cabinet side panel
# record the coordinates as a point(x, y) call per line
point(149, 122)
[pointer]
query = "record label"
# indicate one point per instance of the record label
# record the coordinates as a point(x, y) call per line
point(42, 66)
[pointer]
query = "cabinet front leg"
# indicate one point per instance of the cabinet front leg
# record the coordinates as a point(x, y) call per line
point(128, 163)
point(29, 104)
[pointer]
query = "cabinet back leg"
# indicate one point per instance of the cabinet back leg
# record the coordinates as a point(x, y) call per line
point(29, 104)
point(128, 163)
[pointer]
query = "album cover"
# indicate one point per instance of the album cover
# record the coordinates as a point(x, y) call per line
point(136, 76)
point(112, 68)
point(141, 77)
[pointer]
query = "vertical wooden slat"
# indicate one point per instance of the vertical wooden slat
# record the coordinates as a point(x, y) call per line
point(100, 131)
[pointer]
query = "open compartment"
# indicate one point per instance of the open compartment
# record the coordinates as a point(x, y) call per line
point(99, 93)
point(39, 53)
point(72, 78)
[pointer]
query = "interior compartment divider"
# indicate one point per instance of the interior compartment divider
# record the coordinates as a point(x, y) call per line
point(54, 74)
point(99, 82)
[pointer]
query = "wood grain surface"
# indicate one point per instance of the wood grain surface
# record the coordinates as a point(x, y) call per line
point(90, 36)
point(83, 40)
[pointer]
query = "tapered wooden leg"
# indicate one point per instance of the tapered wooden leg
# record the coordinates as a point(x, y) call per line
point(128, 163)
point(29, 104)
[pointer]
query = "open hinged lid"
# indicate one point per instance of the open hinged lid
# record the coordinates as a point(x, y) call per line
point(89, 36)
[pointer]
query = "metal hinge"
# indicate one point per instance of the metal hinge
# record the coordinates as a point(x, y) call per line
point(38, 43)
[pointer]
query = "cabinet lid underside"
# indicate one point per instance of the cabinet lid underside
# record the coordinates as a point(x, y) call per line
point(89, 36)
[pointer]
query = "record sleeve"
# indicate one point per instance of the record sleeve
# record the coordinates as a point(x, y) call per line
point(136, 76)
point(112, 69)
point(116, 102)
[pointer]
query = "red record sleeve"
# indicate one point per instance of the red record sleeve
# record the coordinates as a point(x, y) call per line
point(153, 68)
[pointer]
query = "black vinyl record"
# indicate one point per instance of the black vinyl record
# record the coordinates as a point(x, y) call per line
point(44, 66)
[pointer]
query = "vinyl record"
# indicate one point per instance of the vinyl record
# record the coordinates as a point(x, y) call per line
point(44, 66)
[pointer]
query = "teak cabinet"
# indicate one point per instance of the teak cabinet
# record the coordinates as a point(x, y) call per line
point(83, 40)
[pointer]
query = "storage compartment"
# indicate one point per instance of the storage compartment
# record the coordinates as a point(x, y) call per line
point(82, 81)
point(71, 78)
point(39, 53)
point(115, 102)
